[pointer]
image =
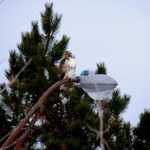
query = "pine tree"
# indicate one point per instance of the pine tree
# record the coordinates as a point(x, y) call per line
point(69, 120)
point(142, 132)
point(5, 124)
point(66, 114)
point(119, 133)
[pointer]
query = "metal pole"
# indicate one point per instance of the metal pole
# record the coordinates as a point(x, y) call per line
point(26, 132)
point(37, 106)
point(101, 116)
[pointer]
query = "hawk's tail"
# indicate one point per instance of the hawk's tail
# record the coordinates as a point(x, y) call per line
point(61, 76)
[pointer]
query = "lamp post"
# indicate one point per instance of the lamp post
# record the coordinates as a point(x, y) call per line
point(34, 113)
point(99, 87)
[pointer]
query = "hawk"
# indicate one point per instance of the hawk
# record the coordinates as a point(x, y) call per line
point(67, 67)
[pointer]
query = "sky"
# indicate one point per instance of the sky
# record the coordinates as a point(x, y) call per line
point(114, 32)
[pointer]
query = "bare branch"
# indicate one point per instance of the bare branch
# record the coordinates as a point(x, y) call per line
point(17, 75)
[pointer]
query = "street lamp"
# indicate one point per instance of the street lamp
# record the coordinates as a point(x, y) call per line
point(99, 87)
point(33, 114)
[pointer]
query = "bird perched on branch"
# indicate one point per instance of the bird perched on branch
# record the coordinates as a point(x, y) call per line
point(67, 67)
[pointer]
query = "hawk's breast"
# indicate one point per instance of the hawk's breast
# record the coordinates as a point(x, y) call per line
point(70, 63)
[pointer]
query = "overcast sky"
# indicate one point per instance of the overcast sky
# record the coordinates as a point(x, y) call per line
point(116, 32)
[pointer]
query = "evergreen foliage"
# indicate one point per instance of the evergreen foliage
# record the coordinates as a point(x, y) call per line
point(142, 132)
point(101, 68)
point(70, 118)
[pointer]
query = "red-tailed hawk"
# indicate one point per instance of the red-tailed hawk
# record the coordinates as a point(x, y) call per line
point(67, 67)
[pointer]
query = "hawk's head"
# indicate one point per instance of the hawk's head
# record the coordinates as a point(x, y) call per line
point(68, 54)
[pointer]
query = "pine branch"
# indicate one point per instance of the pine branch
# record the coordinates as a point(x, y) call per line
point(48, 38)
point(108, 147)
point(93, 129)
point(13, 79)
